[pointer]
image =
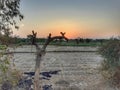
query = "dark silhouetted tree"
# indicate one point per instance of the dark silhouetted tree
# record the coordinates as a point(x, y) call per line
point(40, 52)
point(77, 41)
point(81, 40)
point(88, 40)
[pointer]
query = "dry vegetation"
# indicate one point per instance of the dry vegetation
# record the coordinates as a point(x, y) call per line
point(110, 67)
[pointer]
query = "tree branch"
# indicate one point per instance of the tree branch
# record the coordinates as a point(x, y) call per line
point(40, 52)
point(50, 39)
point(33, 40)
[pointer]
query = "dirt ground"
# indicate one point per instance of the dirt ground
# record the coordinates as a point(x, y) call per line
point(79, 70)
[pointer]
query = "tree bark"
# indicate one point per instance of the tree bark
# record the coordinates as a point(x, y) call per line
point(36, 77)
point(39, 57)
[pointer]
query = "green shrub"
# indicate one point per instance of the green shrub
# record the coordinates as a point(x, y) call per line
point(3, 47)
point(8, 74)
point(110, 66)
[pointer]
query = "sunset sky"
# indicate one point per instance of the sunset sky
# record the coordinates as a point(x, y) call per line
point(78, 18)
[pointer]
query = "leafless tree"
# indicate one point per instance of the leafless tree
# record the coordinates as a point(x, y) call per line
point(40, 52)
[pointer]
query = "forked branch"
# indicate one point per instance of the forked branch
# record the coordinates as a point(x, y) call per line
point(40, 52)
point(50, 39)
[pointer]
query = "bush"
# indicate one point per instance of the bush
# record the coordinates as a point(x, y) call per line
point(9, 76)
point(110, 66)
point(3, 47)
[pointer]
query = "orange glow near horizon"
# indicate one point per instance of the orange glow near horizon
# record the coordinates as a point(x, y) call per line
point(73, 29)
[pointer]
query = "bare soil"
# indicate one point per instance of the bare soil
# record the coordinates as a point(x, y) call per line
point(79, 70)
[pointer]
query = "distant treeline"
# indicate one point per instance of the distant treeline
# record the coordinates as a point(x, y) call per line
point(71, 42)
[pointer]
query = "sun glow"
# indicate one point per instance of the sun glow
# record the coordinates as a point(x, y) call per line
point(71, 28)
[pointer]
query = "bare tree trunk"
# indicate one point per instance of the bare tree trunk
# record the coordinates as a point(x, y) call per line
point(37, 71)
point(40, 53)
